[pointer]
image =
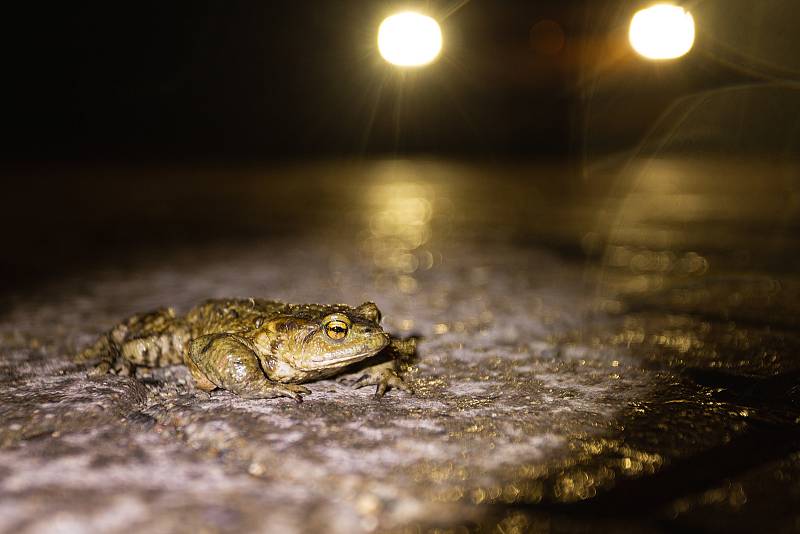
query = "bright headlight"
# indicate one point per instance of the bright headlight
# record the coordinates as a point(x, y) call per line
point(662, 31)
point(409, 39)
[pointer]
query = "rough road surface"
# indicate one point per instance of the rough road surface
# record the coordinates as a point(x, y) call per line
point(502, 393)
point(643, 392)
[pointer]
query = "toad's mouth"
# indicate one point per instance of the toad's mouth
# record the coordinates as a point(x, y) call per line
point(330, 360)
point(322, 363)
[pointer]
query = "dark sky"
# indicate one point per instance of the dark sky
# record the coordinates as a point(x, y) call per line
point(278, 77)
point(296, 78)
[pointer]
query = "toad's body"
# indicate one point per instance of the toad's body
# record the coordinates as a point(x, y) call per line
point(256, 348)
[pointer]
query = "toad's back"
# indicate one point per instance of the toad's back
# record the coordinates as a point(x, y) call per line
point(218, 316)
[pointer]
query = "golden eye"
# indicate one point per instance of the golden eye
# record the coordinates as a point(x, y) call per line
point(336, 329)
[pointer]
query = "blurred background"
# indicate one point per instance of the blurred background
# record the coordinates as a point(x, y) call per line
point(137, 124)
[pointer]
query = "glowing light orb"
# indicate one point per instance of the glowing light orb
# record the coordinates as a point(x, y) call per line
point(409, 39)
point(662, 31)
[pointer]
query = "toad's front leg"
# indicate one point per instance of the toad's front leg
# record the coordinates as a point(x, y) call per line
point(226, 361)
point(384, 374)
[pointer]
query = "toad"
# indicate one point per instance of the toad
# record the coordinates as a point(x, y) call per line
point(258, 349)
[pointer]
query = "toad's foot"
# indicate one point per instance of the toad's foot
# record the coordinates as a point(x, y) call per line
point(271, 390)
point(117, 367)
point(383, 377)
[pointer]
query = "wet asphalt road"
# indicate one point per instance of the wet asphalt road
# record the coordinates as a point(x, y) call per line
point(611, 348)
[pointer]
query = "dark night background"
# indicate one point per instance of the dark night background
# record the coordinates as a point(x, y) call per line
point(175, 80)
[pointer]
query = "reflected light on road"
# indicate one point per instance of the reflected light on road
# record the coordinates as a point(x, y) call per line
point(662, 31)
point(409, 39)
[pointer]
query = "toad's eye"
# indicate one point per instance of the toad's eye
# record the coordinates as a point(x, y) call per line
point(336, 329)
